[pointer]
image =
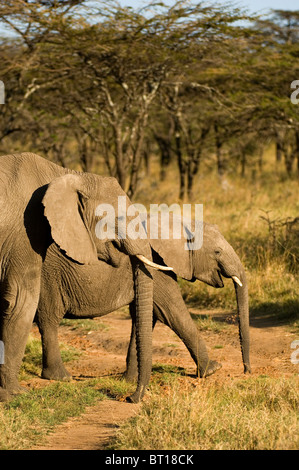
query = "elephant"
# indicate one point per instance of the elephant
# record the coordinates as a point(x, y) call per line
point(42, 204)
point(81, 291)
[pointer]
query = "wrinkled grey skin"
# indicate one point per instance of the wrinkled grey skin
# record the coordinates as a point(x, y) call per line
point(41, 202)
point(82, 291)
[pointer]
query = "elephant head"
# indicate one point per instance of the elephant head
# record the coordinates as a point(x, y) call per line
point(70, 204)
point(215, 258)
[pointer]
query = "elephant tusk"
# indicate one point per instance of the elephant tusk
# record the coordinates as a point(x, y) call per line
point(237, 280)
point(153, 265)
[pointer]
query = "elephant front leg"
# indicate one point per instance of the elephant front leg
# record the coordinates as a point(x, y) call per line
point(186, 331)
point(183, 325)
point(17, 309)
point(53, 367)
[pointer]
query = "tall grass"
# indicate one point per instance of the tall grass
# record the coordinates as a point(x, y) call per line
point(254, 414)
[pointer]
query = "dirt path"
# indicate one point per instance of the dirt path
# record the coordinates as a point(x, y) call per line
point(105, 352)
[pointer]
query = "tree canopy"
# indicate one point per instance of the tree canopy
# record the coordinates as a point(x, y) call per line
point(93, 81)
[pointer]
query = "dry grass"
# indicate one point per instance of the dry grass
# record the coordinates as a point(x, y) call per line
point(254, 414)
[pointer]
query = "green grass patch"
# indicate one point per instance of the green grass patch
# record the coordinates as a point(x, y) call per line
point(32, 362)
point(30, 416)
point(27, 418)
point(207, 323)
point(84, 324)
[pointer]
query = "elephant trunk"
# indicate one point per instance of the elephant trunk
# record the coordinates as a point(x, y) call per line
point(143, 287)
point(144, 322)
point(231, 267)
point(243, 316)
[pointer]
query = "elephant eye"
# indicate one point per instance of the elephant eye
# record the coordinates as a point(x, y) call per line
point(217, 252)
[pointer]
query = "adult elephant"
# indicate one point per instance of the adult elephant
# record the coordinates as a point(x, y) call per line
point(93, 291)
point(42, 203)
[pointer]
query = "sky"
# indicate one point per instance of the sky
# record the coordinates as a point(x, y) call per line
point(254, 6)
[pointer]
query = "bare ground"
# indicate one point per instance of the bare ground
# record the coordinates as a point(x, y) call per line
point(105, 352)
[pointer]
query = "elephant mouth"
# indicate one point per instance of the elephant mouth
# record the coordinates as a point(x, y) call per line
point(218, 281)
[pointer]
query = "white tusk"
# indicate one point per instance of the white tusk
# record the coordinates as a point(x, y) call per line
point(153, 265)
point(237, 280)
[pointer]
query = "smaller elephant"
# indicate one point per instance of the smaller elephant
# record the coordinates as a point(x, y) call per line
point(92, 291)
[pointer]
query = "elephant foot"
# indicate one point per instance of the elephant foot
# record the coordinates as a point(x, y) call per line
point(59, 373)
point(8, 394)
point(19, 390)
point(4, 395)
point(210, 369)
point(137, 395)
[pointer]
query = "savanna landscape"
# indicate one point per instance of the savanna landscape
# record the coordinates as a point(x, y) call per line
point(181, 105)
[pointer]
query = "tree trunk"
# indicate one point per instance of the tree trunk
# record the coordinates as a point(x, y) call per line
point(243, 163)
point(192, 170)
point(194, 152)
point(289, 157)
point(164, 144)
point(279, 151)
point(219, 154)
point(119, 156)
point(180, 159)
point(146, 158)
point(137, 155)
point(182, 169)
point(261, 160)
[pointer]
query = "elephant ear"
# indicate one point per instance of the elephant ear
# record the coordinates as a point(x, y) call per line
point(63, 203)
point(171, 249)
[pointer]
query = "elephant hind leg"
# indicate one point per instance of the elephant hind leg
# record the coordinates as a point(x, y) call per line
point(170, 309)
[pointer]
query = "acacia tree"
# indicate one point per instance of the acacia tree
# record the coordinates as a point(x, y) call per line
point(204, 99)
point(135, 57)
point(277, 67)
point(106, 81)
point(101, 77)
point(26, 74)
